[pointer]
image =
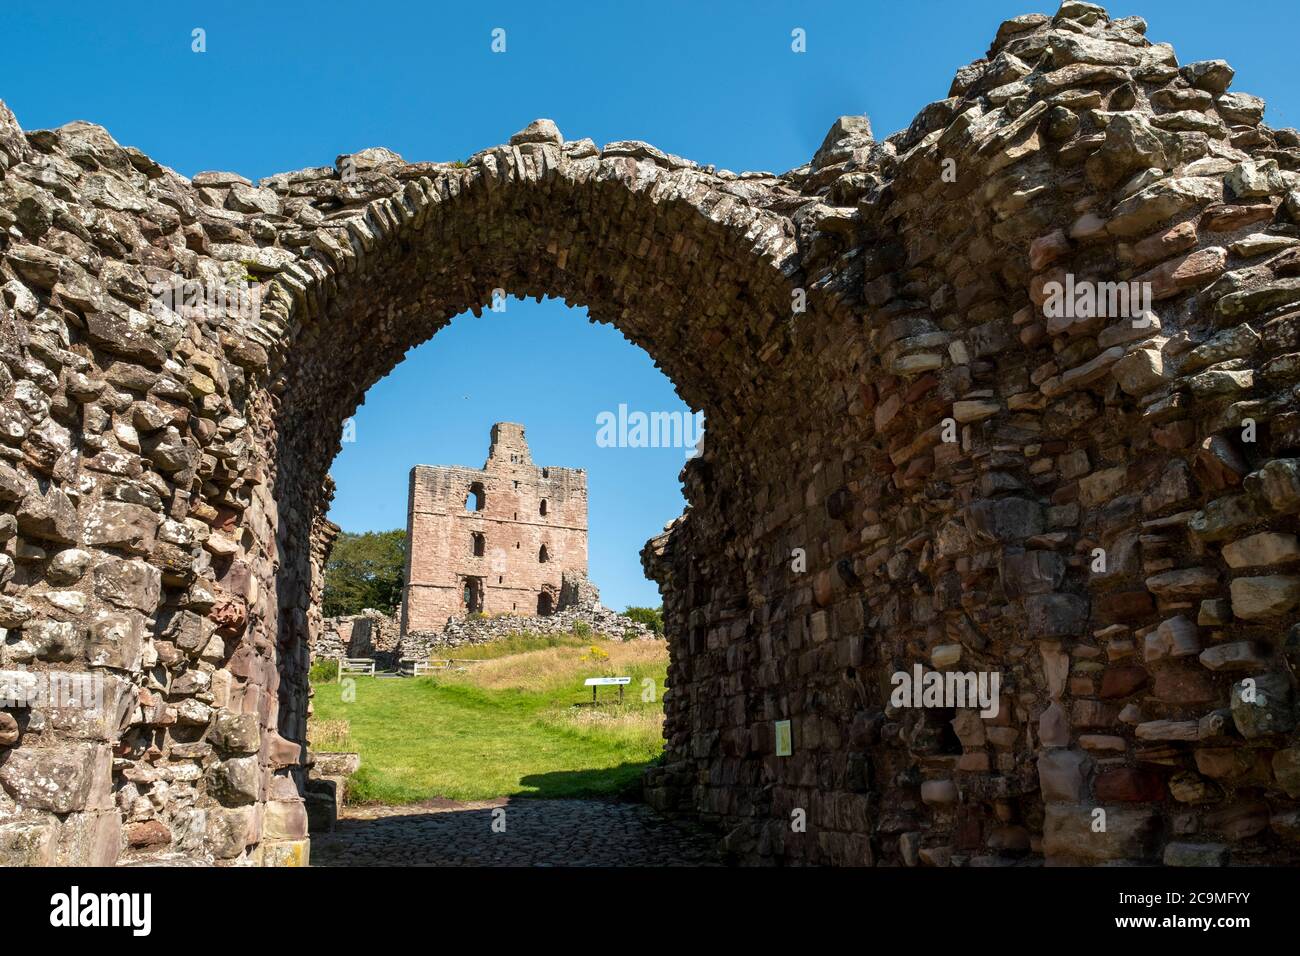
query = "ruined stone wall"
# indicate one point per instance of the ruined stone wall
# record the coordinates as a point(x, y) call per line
point(525, 509)
point(914, 458)
point(140, 525)
point(368, 634)
point(378, 635)
point(578, 620)
point(1160, 444)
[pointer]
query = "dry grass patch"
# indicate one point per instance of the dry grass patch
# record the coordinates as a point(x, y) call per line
point(564, 668)
point(634, 726)
point(329, 736)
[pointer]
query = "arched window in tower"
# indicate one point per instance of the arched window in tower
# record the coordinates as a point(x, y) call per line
point(477, 543)
point(541, 509)
point(543, 555)
point(544, 604)
point(476, 498)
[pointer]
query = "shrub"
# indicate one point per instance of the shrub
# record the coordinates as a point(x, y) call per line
point(651, 617)
point(324, 671)
point(582, 629)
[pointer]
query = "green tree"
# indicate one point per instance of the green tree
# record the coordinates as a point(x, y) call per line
point(652, 617)
point(365, 570)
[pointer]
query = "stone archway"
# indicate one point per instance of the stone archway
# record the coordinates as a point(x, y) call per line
point(690, 264)
point(914, 461)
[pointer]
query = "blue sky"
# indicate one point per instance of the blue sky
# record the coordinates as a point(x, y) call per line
point(286, 85)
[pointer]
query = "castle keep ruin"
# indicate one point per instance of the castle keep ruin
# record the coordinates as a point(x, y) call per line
point(494, 540)
point(919, 466)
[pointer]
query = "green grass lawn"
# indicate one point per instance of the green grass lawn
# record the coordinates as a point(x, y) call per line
point(519, 724)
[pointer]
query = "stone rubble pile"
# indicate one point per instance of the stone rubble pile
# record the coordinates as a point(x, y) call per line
point(598, 621)
point(578, 612)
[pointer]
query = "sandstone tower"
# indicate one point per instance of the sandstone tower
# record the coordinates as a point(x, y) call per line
point(496, 539)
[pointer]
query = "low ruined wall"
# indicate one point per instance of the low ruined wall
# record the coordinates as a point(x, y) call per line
point(368, 634)
point(598, 620)
point(376, 635)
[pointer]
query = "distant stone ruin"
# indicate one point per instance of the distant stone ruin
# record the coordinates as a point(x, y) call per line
point(492, 540)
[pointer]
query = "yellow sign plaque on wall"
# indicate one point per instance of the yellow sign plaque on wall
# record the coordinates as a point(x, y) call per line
point(784, 739)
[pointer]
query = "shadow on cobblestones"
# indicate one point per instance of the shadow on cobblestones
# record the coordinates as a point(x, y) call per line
point(536, 833)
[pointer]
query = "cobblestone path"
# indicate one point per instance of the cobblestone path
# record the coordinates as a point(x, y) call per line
point(537, 833)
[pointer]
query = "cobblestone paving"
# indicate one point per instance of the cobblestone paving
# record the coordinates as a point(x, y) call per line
point(537, 833)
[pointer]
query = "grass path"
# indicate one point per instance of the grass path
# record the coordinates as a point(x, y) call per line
point(517, 725)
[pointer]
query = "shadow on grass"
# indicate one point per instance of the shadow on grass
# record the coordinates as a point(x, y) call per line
point(622, 783)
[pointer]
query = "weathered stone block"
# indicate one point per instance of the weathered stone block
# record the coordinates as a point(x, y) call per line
point(1261, 705)
point(1031, 572)
point(116, 640)
point(48, 515)
point(236, 781)
point(1069, 835)
point(237, 733)
point(28, 843)
point(229, 831)
point(129, 584)
point(1286, 770)
point(1265, 597)
point(284, 820)
point(1005, 519)
point(58, 779)
point(1060, 775)
point(118, 525)
point(1128, 785)
point(1196, 854)
point(93, 838)
point(286, 853)
point(1056, 615)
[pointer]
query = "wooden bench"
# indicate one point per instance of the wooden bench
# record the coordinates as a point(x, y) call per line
point(356, 665)
point(594, 682)
point(409, 667)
